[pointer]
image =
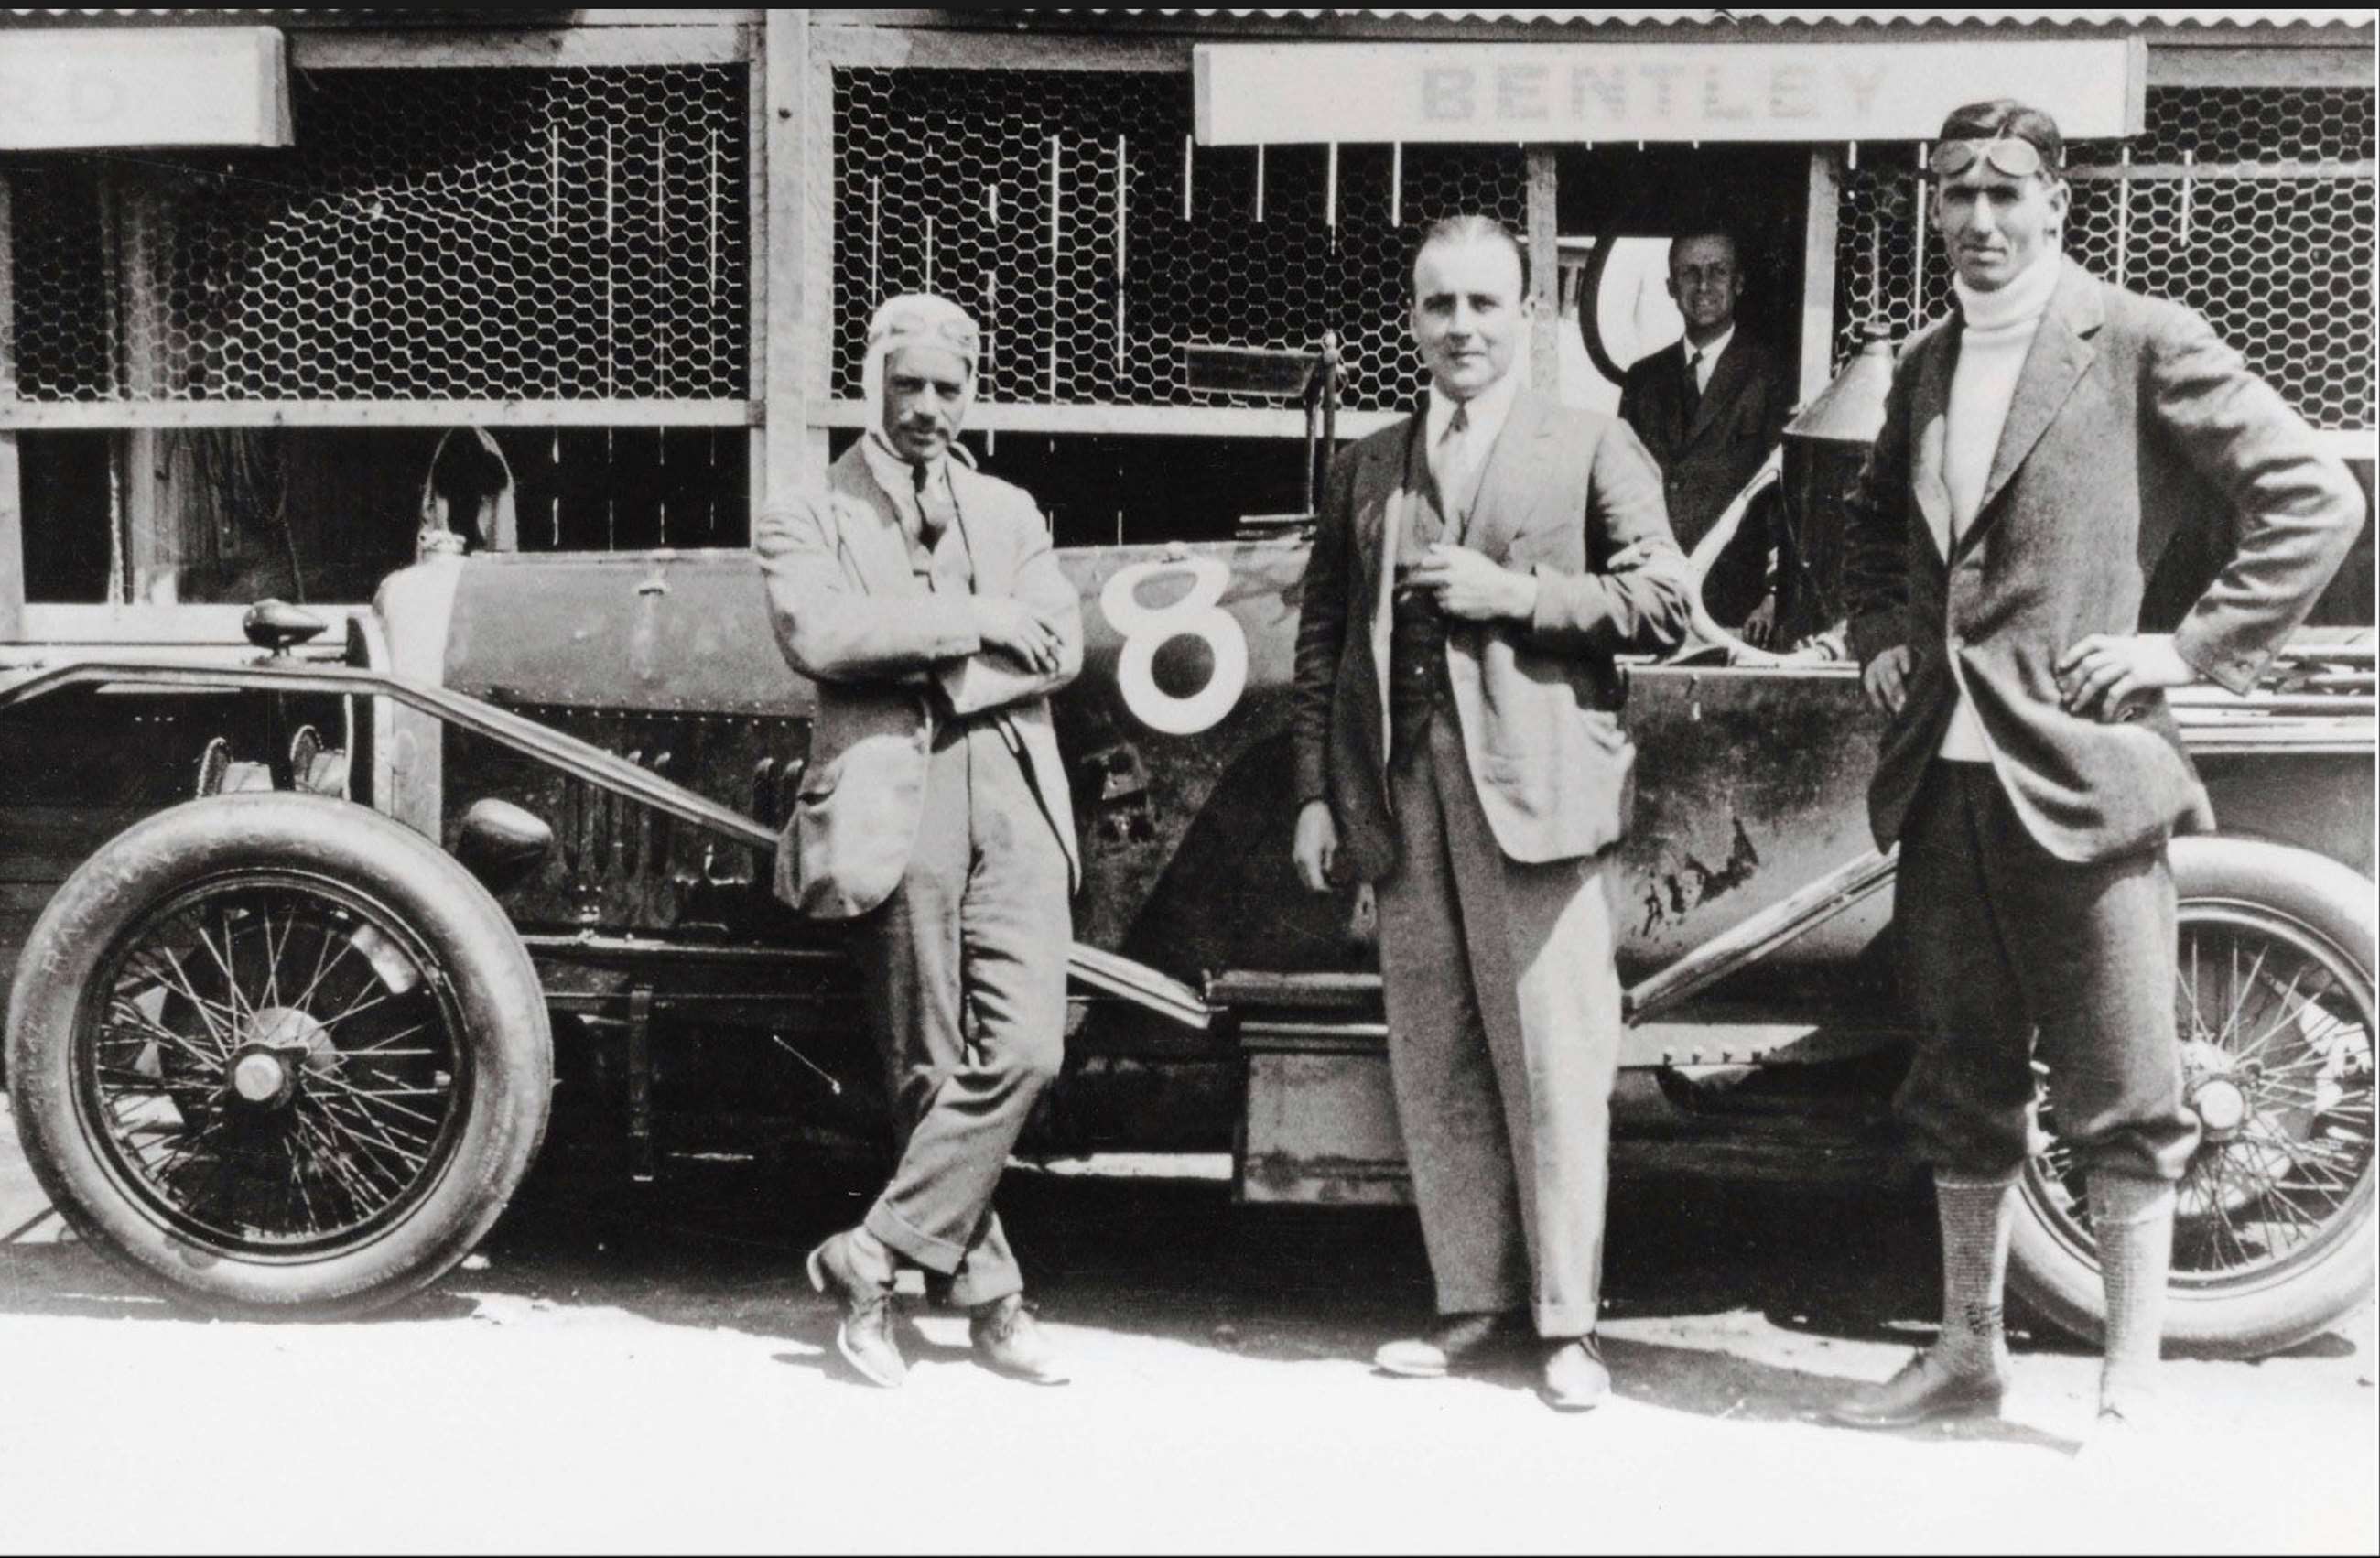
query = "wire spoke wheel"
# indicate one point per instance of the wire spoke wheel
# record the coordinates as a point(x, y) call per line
point(277, 1069)
point(275, 1054)
point(2274, 1015)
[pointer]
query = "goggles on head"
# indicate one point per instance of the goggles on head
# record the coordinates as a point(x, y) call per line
point(2013, 155)
point(918, 328)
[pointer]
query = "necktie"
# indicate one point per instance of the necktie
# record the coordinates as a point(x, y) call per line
point(1693, 383)
point(1454, 463)
point(933, 505)
point(946, 569)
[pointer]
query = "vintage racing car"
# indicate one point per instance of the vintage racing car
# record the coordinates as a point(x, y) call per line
point(327, 930)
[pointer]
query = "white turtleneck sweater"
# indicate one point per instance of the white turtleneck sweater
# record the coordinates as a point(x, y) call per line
point(1996, 332)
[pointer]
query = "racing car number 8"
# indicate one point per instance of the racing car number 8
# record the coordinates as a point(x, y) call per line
point(1146, 629)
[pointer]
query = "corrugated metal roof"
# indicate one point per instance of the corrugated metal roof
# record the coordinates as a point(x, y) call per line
point(1756, 16)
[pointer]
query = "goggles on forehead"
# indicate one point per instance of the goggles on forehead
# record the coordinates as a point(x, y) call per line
point(923, 329)
point(2015, 157)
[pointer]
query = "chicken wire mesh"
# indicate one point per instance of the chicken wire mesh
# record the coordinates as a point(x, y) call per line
point(433, 234)
point(2279, 262)
point(1069, 213)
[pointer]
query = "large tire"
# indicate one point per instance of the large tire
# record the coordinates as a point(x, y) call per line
point(275, 1054)
point(2274, 1234)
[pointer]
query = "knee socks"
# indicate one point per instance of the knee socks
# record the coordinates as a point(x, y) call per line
point(1977, 1215)
point(2132, 1220)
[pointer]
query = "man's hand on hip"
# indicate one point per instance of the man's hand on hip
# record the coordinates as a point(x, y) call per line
point(1887, 680)
point(2106, 671)
point(1472, 587)
point(1316, 847)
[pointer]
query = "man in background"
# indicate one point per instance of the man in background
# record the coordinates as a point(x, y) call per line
point(1709, 409)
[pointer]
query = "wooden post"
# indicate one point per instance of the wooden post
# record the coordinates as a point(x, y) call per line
point(1545, 264)
point(1818, 234)
point(786, 222)
point(12, 495)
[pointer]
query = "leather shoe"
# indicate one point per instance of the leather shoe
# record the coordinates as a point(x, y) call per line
point(1008, 1340)
point(1457, 1340)
point(1922, 1391)
point(1575, 1378)
point(865, 1335)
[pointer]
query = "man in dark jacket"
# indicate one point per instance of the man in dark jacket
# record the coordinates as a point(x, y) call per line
point(1709, 409)
point(2040, 449)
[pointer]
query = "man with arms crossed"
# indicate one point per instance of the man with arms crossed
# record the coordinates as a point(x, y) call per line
point(1458, 744)
point(925, 601)
point(2040, 449)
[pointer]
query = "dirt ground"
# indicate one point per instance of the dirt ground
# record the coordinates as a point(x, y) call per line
point(631, 1368)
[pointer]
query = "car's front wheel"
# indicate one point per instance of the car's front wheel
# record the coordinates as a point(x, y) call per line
point(2274, 1230)
point(274, 1053)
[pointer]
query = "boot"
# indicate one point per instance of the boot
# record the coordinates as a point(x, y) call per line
point(1011, 1341)
point(1964, 1373)
point(858, 1270)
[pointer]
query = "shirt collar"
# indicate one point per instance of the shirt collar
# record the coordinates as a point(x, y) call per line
point(1487, 411)
point(1710, 353)
point(897, 476)
point(2026, 296)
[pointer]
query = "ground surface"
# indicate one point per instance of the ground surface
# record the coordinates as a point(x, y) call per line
point(636, 1368)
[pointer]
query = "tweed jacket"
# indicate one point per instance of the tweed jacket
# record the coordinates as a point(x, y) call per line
point(2130, 423)
point(850, 613)
point(1562, 494)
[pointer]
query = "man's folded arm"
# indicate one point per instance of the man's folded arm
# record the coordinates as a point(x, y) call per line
point(990, 678)
point(1645, 601)
point(829, 629)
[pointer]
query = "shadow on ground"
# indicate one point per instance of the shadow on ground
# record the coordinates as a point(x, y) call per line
point(719, 1244)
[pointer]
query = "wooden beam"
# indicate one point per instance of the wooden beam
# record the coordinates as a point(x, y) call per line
point(1545, 270)
point(12, 541)
point(553, 48)
point(1159, 421)
point(948, 49)
point(814, 325)
point(12, 487)
point(2232, 66)
point(1819, 232)
point(104, 414)
point(795, 205)
point(2146, 173)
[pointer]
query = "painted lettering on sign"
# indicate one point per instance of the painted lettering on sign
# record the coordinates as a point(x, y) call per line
point(1290, 92)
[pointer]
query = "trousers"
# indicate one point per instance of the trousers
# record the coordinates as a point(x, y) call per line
point(1504, 1028)
point(2005, 943)
point(964, 968)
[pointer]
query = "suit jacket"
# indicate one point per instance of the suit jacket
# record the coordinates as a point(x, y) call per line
point(1706, 458)
point(851, 615)
point(1561, 494)
point(2130, 423)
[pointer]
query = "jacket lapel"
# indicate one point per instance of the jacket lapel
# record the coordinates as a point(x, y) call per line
point(1508, 488)
point(1929, 409)
point(872, 541)
point(1729, 376)
point(1381, 500)
point(2061, 353)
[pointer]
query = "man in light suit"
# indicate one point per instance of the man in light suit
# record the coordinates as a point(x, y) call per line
point(925, 601)
point(1709, 409)
point(2040, 449)
point(1458, 744)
